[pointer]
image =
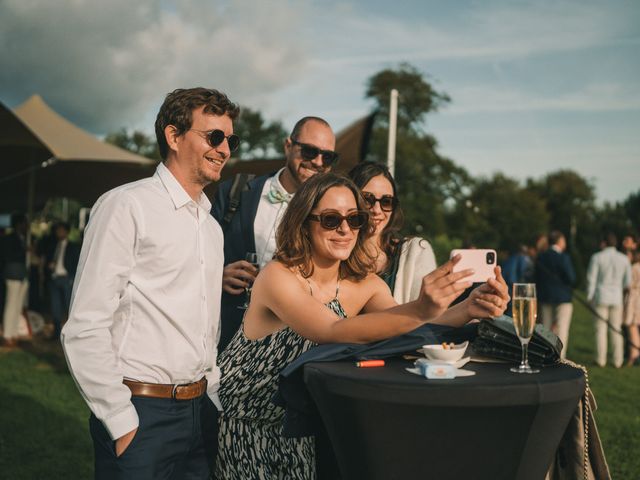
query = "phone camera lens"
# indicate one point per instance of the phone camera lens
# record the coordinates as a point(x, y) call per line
point(491, 258)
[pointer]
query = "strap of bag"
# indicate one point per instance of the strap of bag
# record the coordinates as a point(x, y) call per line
point(240, 181)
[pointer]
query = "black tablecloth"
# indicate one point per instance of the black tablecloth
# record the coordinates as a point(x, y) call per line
point(386, 423)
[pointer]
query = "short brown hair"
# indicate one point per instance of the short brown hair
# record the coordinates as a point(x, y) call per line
point(292, 238)
point(179, 105)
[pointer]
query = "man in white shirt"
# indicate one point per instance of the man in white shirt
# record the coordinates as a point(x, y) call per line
point(252, 228)
point(144, 323)
point(608, 275)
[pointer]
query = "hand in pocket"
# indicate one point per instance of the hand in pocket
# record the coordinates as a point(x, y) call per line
point(124, 441)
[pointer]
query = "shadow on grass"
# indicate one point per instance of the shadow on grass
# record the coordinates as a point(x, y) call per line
point(47, 351)
point(37, 442)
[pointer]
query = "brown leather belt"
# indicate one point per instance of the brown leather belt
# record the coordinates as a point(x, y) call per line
point(188, 391)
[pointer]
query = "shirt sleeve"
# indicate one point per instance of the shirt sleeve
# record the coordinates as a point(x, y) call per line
point(106, 262)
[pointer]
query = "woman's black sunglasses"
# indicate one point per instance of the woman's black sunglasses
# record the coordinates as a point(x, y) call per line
point(387, 202)
point(216, 137)
point(309, 152)
point(332, 220)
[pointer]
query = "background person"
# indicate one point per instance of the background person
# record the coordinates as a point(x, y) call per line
point(308, 150)
point(321, 288)
point(142, 333)
point(401, 262)
point(62, 265)
point(554, 278)
point(632, 310)
point(608, 275)
point(14, 273)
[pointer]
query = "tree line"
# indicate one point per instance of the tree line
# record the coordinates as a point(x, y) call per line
point(441, 200)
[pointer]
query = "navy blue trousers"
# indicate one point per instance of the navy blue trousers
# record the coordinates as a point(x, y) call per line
point(176, 439)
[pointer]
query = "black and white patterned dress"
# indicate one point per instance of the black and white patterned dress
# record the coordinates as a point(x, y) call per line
point(250, 441)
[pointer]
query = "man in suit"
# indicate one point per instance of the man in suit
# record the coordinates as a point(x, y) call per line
point(62, 264)
point(608, 275)
point(308, 150)
point(555, 276)
point(14, 272)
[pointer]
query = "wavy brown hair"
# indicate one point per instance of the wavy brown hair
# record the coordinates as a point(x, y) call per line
point(390, 236)
point(293, 234)
point(178, 108)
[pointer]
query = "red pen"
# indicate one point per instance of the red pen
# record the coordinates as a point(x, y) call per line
point(370, 363)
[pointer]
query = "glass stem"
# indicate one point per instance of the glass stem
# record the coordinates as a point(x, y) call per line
point(525, 352)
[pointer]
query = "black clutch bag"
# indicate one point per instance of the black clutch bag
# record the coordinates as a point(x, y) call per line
point(497, 339)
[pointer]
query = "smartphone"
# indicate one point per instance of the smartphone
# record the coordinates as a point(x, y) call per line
point(481, 260)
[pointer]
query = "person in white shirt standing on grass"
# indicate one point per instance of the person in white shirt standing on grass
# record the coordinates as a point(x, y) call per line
point(144, 322)
point(608, 275)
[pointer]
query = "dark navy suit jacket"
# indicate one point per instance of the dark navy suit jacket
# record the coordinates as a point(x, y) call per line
point(239, 239)
point(554, 277)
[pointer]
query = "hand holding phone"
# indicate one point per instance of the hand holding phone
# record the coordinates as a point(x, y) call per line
point(482, 261)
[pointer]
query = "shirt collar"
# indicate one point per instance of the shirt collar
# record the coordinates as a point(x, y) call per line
point(177, 193)
point(275, 181)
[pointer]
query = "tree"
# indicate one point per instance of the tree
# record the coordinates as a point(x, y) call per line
point(426, 181)
point(632, 207)
point(417, 96)
point(500, 213)
point(258, 138)
point(136, 141)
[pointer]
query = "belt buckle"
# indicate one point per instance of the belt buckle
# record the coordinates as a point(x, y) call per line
point(174, 391)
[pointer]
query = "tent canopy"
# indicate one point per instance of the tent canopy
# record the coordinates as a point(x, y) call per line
point(84, 167)
point(65, 141)
point(78, 165)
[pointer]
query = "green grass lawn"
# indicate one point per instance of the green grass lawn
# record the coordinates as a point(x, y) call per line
point(44, 432)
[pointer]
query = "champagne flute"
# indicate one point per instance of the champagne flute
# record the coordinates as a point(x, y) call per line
point(252, 258)
point(525, 311)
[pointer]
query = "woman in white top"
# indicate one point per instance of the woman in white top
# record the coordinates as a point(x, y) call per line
point(401, 262)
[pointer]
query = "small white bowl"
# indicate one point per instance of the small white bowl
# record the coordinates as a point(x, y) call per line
point(438, 352)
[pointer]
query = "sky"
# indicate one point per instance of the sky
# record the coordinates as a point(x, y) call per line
point(536, 86)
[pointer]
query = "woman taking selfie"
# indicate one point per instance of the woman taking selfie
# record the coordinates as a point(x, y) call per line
point(319, 289)
point(401, 262)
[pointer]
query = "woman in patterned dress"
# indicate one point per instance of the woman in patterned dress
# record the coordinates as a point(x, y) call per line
point(321, 288)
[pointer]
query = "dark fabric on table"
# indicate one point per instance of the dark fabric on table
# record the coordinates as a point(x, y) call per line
point(301, 416)
point(497, 339)
point(387, 423)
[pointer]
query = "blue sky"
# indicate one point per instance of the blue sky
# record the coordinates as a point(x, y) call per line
point(535, 85)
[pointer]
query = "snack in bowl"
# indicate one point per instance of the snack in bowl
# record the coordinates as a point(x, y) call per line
point(447, 352)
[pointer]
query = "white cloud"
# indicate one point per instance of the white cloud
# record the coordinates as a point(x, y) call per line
point(483, 31)
point(106, 64)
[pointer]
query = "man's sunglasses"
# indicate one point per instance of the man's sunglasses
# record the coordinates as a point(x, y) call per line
point(309, 152)
point(387, 202)
point(216, 137)
point(332, 220)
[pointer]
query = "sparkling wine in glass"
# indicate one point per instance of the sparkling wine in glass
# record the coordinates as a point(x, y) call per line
point(525, 311)
point(252, 258)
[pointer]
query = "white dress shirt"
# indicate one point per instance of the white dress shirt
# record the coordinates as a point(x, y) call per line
point(608, 274)
point(268, 217)
point(146, 298)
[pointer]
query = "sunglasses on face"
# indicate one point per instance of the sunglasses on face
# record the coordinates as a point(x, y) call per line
point(332, 220)
point(309, 152)
point(387, 202)
point(216, 137)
